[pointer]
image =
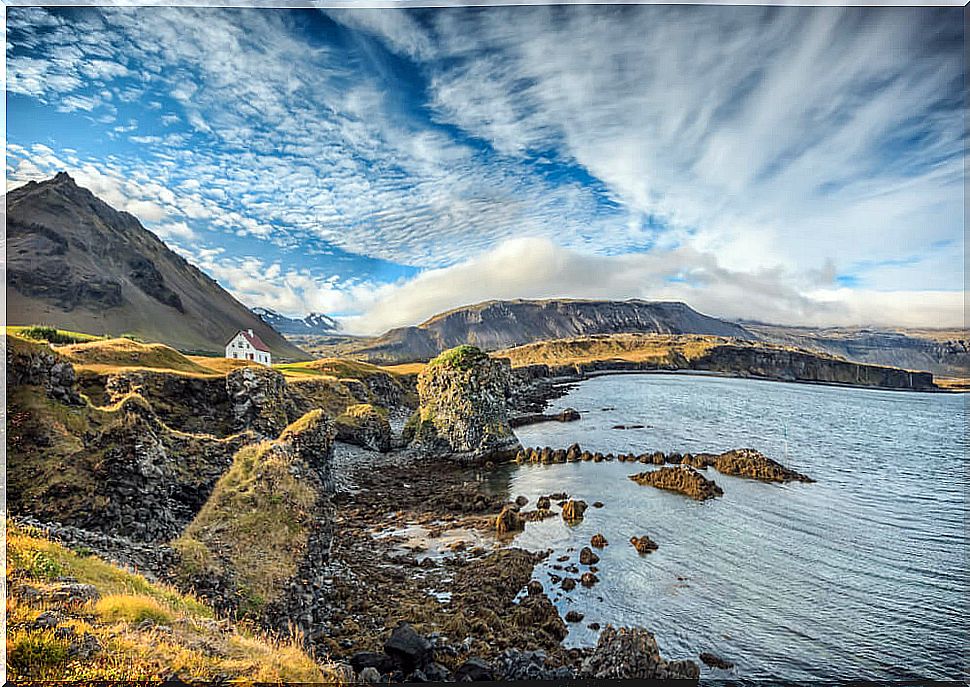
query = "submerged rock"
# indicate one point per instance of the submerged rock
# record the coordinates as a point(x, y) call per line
point(644, 544)
point(632, 654)
point(463, 410)
point(682, 479)
point(714, 661)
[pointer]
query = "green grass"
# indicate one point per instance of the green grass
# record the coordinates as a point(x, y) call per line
point(460, 357)
point(41, 332)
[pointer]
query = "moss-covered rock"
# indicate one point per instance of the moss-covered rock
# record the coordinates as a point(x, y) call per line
point(260, 544)
point(464, 407)
point(364, 425)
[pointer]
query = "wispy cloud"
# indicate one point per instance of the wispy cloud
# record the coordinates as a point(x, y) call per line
point(790, 149)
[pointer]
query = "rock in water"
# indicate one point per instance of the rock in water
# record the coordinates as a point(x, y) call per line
point(364, 425)
point(464, 407)
point(260, 545)
point(644, 544)
point(257, 397)
point(509, 521)
point(587, 557)
point(715, 661)
point(573, 511)
point(746, 462)
point(682, 479)
point(632, 654)
point(598, 541)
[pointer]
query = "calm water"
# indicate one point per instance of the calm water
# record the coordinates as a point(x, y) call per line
point(863, 574)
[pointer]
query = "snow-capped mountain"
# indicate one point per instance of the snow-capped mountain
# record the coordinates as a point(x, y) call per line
point(314, 323)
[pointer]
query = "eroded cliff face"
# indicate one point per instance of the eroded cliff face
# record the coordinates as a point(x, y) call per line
point(803, 366)
point(463, 414)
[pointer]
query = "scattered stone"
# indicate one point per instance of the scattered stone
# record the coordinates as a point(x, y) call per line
point(597, 504)
point(521, 501)
point(588, 579)
point(408, 648)
point(559, 496)
point(509, 521)
point(372, 659)
point(574, 617)
point(587, 557)
point(45, 621)
point(369, 675)
point(715, 661)
point(598, 540)
point(682, 479)
point(568, 584)
point(474, 670)
point(594, 626)
point(573, 510)
point(543, 503)
point(632, 654)
point(644, 544)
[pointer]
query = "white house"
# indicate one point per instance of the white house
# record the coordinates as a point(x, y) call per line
point(248, 346)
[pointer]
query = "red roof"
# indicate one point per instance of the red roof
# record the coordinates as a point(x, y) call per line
point(253, 340)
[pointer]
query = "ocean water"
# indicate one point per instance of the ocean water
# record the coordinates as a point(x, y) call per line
point(863, 574)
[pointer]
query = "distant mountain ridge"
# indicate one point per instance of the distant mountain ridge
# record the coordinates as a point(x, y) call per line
point(75, 262)
point(494, 325)
point(314, 323)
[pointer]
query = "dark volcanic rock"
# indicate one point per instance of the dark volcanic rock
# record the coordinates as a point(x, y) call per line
point(509, 521)
point(408, 648)
point(587, 557)
point(683, 479)
point(574, 617)
point(598, 541)
point(474, 670)
point(632, 654)
point(258, 400)
point(573, 511)
point(364, 425)
point(714, 661)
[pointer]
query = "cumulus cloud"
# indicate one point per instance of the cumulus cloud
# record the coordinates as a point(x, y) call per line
point(538, 268)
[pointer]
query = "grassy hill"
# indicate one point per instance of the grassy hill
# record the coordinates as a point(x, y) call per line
point(111, 624)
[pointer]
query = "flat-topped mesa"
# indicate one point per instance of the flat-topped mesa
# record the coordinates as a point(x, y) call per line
point(746, 462)
point(463, 413)
point(683, 479)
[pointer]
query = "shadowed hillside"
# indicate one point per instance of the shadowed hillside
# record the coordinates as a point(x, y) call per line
point(76, 263)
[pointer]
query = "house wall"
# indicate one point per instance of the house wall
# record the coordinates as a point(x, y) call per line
point(240, 349)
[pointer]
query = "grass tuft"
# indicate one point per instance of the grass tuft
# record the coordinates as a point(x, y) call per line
point(132, 609)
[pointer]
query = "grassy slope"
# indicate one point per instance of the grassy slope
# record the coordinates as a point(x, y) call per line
point(181, 634)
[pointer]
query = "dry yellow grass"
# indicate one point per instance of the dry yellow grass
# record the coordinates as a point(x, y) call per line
point(954, 384)
point(184, 637)
point(657, 348)
point(220, 365)
point(404, 368)
point(113, 354)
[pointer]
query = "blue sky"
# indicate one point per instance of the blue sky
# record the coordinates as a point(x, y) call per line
point(793, 165)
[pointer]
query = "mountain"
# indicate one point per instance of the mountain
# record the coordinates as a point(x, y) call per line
point(940, 351)
point(494, 325)
point(314, 323)
point(75, 262)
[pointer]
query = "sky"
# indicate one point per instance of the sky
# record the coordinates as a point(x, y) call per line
point(792, 165)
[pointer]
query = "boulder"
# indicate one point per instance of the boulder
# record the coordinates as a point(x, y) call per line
point(474, 670)
point(543, 503)
point(257, 398)
point(682, 479)
point(463, 411)
point(632, 654)
point(364, 425)
point(715, 661)
point(574, 617)
point(644, 544)
point(35, 363)
point(573, 511)
point(407, 647)
point(509, 521)
point(588, 579)
point(598, 541)
point(587, 557)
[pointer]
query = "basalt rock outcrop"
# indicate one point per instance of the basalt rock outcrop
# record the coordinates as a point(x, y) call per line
point(632, 654)
point(261, 544)
point(257, 397)
point(32, 363)
point(463, 410)
point(682, 479)
point(565, 415)
point(746, 462)
point(364, 425)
